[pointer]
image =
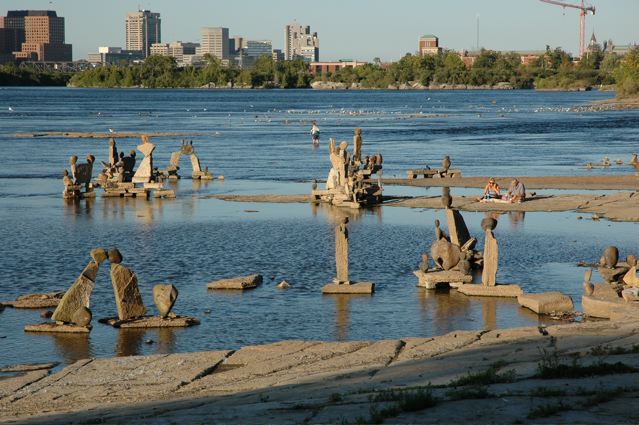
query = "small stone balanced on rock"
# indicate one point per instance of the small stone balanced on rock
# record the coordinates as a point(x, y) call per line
point(164, 296)
point(608, 268)
point(445, 254)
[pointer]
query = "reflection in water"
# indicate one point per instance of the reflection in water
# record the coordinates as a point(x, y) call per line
point(489, 312)
point(447, 307)
point(493, 214)
point(166, 339)
point(516, 218)
point(77, 207)
point(129, 342)
point(336, 214)
point(342, 322)
point(72, 347)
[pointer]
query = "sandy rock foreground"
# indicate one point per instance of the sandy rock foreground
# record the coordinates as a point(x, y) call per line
point(578, 373)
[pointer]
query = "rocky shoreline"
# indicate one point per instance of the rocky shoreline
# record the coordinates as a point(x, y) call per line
point(582, 372)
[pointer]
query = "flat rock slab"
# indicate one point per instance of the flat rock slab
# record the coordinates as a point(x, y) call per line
point(48, 300)
point(91, 383)
point(152, 322)
point(352, 288)
point(512, 291)
point(55, 327)
point(608, 308)
point(237, 283)
point(546, 302)
point(430, 279)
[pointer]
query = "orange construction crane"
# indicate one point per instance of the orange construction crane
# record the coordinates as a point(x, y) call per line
point(583, 11)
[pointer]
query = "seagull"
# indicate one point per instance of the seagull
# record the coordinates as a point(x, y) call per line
point(111, 130)
point(10, 109)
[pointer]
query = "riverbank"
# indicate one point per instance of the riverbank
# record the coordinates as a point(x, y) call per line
point(585, 372)
point(621, 206)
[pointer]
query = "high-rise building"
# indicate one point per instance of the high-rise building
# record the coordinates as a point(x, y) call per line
point(257, 48)
point(300, 43)
point(143, 28)
point(215, 41)
point(36, 35)
point(429, 45)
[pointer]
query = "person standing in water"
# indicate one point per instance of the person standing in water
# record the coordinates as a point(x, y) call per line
point(315, 133)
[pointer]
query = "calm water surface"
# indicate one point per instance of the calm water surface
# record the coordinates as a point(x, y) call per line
point(259, 140)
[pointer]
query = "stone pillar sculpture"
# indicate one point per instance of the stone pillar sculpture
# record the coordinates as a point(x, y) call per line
point(341, 252)
point(144, 174)
point(113, 152)
point(357, 147)
point(446, 163)
point(491, 253)
point(125, 288)
point(72, 308)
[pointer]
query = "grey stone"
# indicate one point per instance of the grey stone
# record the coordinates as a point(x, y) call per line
point(457, 228)
point(352, 288)
point(164, 296)
point(491, 258)
point(82, 316)
point(127, 294)
point(341, 251)
point(78, 296)
point(445, 254)
point(488, 223)
point(610, 256)
point(238, 283)
point(546, 302)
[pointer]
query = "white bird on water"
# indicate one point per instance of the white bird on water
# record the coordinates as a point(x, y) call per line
point(111, 130)
point(10, 109)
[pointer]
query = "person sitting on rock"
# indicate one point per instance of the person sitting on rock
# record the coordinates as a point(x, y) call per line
point(491, 191)
point(516, 192)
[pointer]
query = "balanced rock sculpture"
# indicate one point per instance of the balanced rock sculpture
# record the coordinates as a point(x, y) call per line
point(164, 297)
point(341, 283)
point(125, 288)
point(489, 286)
point(72, 313)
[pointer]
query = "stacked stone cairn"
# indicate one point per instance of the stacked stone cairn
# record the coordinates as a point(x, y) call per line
point(118, 178)
point(349, 182)
point(618, 295)
point(444, 172)
point(78, 185)
point(73, 314)
point(453, 256)
point(128, 300)
point(489, 286)
point(342, 284)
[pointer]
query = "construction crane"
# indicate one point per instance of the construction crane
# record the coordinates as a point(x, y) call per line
point(583, 11)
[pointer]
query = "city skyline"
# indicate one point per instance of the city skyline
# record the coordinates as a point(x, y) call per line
point(357, 29)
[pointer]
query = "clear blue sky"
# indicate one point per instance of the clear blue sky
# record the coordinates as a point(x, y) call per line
point(358, 29)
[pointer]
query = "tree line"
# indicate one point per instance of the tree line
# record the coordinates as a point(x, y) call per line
point(554, 69)
point(163, 72)
point(14, 75)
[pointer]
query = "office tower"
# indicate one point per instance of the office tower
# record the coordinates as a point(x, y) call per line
point(301, 43)
point(143, 28)
point(35, 35)
point(215, 41)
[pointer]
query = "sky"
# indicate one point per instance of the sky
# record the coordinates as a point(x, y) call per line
point(352, 29)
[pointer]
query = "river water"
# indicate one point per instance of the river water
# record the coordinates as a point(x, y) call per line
point(260, 141)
